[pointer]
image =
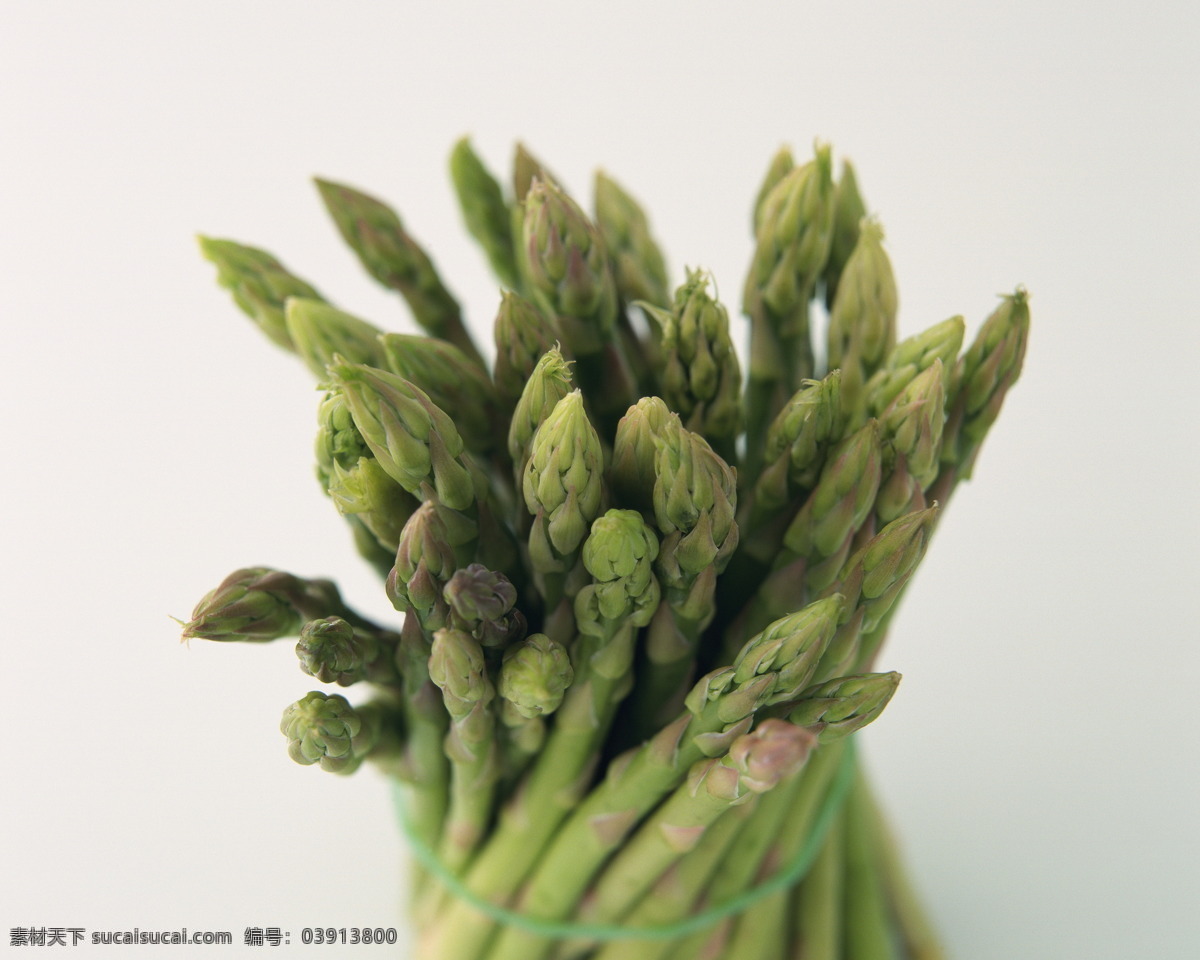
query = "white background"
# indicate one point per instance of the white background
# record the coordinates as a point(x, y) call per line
point(1040, 759)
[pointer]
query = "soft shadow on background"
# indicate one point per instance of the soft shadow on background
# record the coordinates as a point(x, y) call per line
point(1040, 758)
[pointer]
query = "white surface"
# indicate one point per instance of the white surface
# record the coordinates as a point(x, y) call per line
point(1041, 756)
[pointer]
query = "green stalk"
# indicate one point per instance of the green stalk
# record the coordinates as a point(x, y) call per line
point(868, 930)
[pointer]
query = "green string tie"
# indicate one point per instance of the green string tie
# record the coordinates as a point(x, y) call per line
point(550, 929)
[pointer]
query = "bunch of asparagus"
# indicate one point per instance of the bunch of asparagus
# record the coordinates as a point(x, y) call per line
point(642, 597)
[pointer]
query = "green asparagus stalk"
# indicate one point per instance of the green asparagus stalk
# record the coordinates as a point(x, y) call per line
point(817, 543)
point(373, 504)
point(871, 581)
point(795, 228)
point(912, 431)
point(259, 283)
point(568, 272)
point(775, 667)
point(755, 763)
point(391, 256)
point(980, 383)
point(534, 677)
point(695, 501)
point(425, 562)
point(486, 213)
point(816, 903)
point(868, 928)
point(677, 893)
point(458, 668)
point(364, 492)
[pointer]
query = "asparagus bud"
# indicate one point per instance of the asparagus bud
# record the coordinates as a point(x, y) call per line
point(638, 267)
point(319, 332)
point(326, 729)
point(782, 163)
point(564, 258)
point(910, 357)
point(535, 676)
point(331, 650)
point(485, 211)
point(841, 706)
point(549, 382)
point(259, 283)
point(701, 378)
point(562, 485)
point(367, 492)
point(848, 211)
point(983, 377)
point(635, 451)
point(452, 381)
point(862, 320)
point(375, 233)
point(798, 442)
point(257, 604)
point(412, 438)
point(522, 335)
point(483, 602)
point(425, 560)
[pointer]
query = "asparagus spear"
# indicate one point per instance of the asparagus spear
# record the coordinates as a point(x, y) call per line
point(830, 712)
point(639, 271)
point(776, 666)
point(320, 332)
point(795, 227)
point(782, 163)
point(563, 490)
point(700, 376)
point(522, 335)
point(457, 667)
point(633, 469)
point(259, 283)
point(695, 500)
point(375, 233)
point(568, 273)
point(487, 214)
point(848, 211)
point(483, 603)
point(412, 438)
point(257, 604)
point(534, 678)
point(549, 381)
point(862, 319)
point(453, 381)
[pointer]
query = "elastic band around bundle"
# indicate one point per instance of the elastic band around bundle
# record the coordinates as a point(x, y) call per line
point(782, 880)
